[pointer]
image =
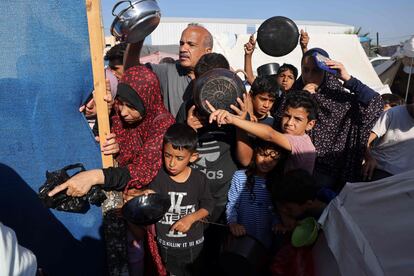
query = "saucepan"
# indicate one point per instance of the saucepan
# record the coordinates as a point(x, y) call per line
point(146, 209)
point(278, 36)
point(136, 21)
point(221, 87)
point(268, 69)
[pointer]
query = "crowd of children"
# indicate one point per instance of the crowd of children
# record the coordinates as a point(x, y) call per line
point(284, 152)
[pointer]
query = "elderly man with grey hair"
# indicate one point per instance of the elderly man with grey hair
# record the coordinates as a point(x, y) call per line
point(175, 78)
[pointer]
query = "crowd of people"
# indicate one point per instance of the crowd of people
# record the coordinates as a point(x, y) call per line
point(287, 148)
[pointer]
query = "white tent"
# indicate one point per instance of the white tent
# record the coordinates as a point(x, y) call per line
point(368, 230)
point(401, 67)
point(341, 47)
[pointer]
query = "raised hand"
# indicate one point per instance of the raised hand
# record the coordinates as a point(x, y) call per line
point(342, 73)
point(222, 117)
point(192, 119)
point(250, 46)
point(304, 40)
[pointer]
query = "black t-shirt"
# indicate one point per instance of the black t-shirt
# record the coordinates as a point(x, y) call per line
point(216, 149)
point(186, 198)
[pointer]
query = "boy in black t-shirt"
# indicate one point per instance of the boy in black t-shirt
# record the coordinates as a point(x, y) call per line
point(179, 232)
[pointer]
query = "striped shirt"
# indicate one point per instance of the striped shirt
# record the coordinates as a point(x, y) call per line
point(254, 212)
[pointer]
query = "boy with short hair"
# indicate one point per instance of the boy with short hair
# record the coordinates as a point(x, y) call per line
point(264, 93)
point(179, 232)
point(299, 116)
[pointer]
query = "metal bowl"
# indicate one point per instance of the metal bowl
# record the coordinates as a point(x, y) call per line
point(135, 22)
point(146, 209)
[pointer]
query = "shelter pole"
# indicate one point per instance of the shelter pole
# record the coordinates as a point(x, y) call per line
point(409, 79)
point(96, 41)
point(114, 227)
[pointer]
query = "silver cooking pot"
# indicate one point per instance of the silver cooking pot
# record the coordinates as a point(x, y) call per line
point(135, 22)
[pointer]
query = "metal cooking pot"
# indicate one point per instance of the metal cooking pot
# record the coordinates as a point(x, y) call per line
point(136, 21)
point(221, 87)
point(278, 36)
point(146, 209)
point(268, 69)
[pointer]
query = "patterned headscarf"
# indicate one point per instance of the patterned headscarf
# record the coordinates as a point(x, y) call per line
point(141, 144)
point(341, 133)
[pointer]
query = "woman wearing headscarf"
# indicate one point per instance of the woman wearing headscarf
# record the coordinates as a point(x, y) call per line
point(345, 118)
point(139, 123)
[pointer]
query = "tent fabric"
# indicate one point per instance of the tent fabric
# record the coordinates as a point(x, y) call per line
point(396, 71)
point(369, 227)
point(341, 47)
point(408, 47)
point(388, 70)
point(45, 76)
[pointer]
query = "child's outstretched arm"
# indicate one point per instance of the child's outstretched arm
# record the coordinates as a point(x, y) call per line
point(262, 131)
point(184, 224)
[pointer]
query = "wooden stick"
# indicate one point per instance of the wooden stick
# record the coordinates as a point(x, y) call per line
point(96, 41)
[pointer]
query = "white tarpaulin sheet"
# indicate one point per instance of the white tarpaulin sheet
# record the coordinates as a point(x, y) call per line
point(369, 228)
point(341, 47)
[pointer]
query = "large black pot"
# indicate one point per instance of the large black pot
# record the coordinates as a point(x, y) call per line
point(278, 36)
point(221, 87)
point(146, 209)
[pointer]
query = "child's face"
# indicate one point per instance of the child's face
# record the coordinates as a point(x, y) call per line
point(176, 160)
point(262, 104)
point(295, 121)
point(266, 160)
point(285, 80)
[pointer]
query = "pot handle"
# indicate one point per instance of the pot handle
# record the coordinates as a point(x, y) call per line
point(117, 4)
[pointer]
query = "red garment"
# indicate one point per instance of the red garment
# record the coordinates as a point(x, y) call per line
point(154, 266)
point(293, 261)
point(141, 145)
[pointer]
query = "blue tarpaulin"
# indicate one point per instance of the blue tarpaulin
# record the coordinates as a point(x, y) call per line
point(45, 75)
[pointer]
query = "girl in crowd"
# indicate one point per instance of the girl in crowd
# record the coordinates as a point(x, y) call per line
point(286, 77)
point(249, 208)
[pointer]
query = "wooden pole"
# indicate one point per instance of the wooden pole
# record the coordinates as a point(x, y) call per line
point(96, 41)
point(114, 227)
